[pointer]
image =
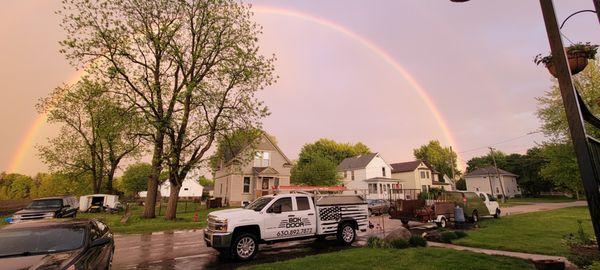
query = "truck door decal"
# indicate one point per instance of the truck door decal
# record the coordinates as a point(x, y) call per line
point(294, 222)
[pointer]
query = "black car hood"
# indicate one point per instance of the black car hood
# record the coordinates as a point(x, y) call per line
point(39, 262)
point(36, 210)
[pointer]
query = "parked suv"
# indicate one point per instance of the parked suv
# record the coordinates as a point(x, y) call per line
point(378, 206)
point(45, 208)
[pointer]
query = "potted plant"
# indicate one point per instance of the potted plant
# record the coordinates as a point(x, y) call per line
point(578, 55)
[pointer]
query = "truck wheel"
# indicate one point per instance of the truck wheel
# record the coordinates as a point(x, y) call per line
point(443, 223)
point(475, 216)
point(244, 247)
point(497, 214)
point(346, 234)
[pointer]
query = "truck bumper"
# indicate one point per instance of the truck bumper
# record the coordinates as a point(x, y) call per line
point(217, 240)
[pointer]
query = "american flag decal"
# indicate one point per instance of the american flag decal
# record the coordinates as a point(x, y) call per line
point(330, 213)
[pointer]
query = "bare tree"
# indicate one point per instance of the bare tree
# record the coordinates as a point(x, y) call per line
point(187, 66)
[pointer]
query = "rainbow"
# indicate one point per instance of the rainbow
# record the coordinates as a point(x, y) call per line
point(26, 143)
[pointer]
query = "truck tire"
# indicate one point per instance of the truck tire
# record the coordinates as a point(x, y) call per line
point(244, 247)
point(443, 223)
point(475, 217)
point(346, 233)
point(497, 214)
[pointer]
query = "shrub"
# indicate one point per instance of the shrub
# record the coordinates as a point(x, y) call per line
point(447, 237)
point(417, 241)
point(398, 243)
point(461, 234)
point(594, 266)
point(376, 242)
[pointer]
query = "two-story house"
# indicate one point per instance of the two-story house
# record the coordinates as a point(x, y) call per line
point(367, 174)
point(240, 180)
point(415, 175)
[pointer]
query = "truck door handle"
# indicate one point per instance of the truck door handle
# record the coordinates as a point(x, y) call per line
point(291, 216)
point(311, 214)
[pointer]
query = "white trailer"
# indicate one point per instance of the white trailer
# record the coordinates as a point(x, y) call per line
point(104, 200)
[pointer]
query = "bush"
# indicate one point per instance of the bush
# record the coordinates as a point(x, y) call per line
point(417, 241)
point(594, 266)
point(376, 242)
point(399, 244)
point(460, 234)
point(447, 237)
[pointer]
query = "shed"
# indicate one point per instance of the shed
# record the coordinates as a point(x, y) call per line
point(106, 200)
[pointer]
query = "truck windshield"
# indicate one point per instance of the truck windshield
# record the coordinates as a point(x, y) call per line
point(259, 203)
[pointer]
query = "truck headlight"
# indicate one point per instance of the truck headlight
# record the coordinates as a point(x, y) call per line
point(221, 227)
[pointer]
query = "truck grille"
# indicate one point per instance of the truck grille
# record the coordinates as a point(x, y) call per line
point(32, 216)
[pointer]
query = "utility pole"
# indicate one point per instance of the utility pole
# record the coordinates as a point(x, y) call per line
point(585, 160)
point(498, 173)
point(452, 164)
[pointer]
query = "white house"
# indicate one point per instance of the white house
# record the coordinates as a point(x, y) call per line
point(486, 180)
point(368, 174)
point(190, 188)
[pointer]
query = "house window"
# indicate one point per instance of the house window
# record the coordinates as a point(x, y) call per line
point(424, 188)
point(352, 175)
point(262, 159)
point(427, 174)
point(246, 184)
point(276, 182)
point(345, 174)
point(372, 188)
point(186, 189)
point(383, 171)
point(422, 175)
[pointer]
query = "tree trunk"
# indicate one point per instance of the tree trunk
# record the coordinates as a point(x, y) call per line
point(152, 185)
point(173, 200)
point(109, 181)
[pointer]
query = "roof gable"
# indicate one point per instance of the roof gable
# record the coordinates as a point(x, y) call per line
point(265, 138)
point(406, 166)
point(358, 162)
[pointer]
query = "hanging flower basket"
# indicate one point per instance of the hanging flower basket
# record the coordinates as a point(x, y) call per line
point(577, 54)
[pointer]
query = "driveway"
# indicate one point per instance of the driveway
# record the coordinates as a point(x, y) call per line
point(535, 207)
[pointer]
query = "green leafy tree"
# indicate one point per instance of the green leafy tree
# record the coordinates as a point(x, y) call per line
point(15, 186)
point(317, 162)
point(190, 67)
point(203, 181)
point(135, 178)
point(561, 166)
point(53, 184)
point(443, 159)
point(488, 160)
point(96, 133)
point(461, 184)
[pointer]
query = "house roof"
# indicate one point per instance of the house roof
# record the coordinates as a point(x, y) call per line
point(405, 166)
point(383, 179)
point(358, 162)
point(264, 170)
point(268, 139)
point(487, 171)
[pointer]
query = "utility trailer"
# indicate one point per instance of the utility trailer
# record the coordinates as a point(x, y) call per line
point(406, 206)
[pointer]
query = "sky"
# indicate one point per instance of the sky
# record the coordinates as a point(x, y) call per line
point(370, 71)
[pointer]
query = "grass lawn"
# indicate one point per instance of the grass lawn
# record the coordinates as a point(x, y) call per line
point(136, 224)
point(538, 232)
point(412, 258)
point(543, 199)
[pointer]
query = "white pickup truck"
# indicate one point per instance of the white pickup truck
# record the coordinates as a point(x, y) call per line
point(284, 217)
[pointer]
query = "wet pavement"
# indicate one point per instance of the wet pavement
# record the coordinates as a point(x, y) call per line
point(187, 250)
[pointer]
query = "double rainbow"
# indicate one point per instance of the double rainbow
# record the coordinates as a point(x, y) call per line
point(25, 144)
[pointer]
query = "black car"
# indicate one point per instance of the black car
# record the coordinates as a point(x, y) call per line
point(71, 244)
point(45, 208)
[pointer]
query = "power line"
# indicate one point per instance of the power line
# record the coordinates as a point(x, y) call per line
point(500, 142)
